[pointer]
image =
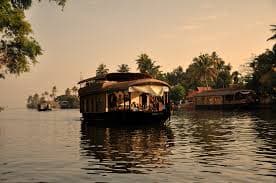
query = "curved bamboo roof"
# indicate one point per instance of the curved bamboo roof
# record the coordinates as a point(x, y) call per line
point(118, 82)
point(118, 77)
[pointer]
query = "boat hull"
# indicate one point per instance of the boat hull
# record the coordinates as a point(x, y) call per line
point(126, 118)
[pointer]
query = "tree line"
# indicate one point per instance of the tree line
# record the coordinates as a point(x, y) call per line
point(70, 95)
point(210, 70)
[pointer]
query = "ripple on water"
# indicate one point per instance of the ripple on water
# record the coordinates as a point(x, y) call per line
point(197, 146)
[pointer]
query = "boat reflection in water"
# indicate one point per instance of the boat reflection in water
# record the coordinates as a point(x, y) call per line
point(125, 150)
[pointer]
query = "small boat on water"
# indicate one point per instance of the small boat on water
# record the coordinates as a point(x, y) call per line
point(225, 98)
point(44, 106)
point(124, 98)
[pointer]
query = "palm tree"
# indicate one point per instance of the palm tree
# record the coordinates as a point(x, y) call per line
point(146, 65)
point(102, 70)
point(273, 29)
point(67, 92)
point(54, 91)
point(123, 68)
point(204, 69)
point(177, 76)
point(75, 90)
point(46, 94)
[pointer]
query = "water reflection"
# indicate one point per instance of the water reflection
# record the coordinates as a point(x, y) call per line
point(125, 150)
point(265, 127)
point(208, 134)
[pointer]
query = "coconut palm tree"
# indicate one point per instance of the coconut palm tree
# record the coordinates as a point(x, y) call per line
point(75, 90)
point(177, 76)
point(101, 70)
point(124, 68)
point(273, 29)
point(204, 69)
point(54, 91)
point(146, 65)
point(68, 92)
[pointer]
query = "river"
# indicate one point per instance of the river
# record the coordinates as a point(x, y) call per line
point(196, 146)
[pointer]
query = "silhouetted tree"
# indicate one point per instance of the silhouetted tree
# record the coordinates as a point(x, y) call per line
point(101, 70)
point(177, 76)
point(67, 92)
point(75, 90)
point(54, 92)
point(123, 68)
point(146, 65)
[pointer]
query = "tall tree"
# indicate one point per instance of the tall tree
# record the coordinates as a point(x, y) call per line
point(263, 77)
point(18, 49)
point(177, 76)
point(54, 92)
point(223, 78)
point(273, 29)
point(101, 70)
point(146, 65)
point(203, 69)
point(75, 90)
point(123, 68)
point(68, 92)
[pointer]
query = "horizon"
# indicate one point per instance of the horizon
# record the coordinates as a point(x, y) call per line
point(87, 33)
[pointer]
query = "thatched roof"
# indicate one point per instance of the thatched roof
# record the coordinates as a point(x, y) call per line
point(223, 91)
point(110, 86)
point(117, 77)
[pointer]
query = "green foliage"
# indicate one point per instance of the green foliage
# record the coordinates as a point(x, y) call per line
point(263, 67)
point(75, 90)
point(54, 91)
point(208, 70)
point(146, 65)
point(33, 101)
point(177, 76)
point(18, 49)
point(67, 92)
point(177, 93)
point(124, 68)
point(102, 70)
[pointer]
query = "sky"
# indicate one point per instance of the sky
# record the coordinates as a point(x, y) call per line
point(86, 33)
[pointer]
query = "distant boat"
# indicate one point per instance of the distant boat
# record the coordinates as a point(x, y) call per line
point(127, 98)
point(44, 106)
point(225, 98)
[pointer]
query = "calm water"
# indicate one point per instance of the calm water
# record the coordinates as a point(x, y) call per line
point(208, 146)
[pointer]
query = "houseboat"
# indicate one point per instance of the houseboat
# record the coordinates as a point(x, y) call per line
point(124, 98)
point(225, 98)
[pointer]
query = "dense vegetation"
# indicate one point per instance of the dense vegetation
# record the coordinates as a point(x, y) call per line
point(210, 70)
point(68, 100)
point(18, 49)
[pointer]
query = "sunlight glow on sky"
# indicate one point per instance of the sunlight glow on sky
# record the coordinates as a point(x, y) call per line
point(89, 32)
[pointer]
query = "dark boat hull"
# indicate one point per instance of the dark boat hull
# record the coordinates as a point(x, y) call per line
point(126, 118)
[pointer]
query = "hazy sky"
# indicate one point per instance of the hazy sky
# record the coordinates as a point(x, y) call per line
point(172, 32)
